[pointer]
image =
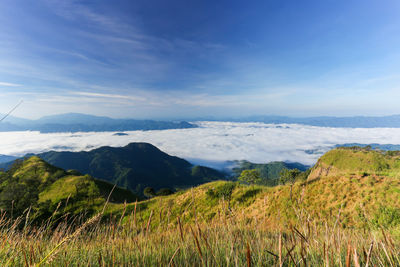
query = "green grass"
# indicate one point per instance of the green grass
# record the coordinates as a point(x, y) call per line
point(339, 215)
point(44, 189)
point(199, 228)
point(148, 238)
point(65, 187)
point(359, 161)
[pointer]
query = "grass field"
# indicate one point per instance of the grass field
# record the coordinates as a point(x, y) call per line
point(149, 237)
point(344, 214)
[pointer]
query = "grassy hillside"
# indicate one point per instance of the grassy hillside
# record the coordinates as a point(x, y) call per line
point(216, 224)
point(357, 161)
point(351, 187)
point(36, 185)
point(348, 202)
point(345, 214)
point(362, 186)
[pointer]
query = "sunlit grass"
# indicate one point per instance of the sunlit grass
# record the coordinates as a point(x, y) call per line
point(141, 235)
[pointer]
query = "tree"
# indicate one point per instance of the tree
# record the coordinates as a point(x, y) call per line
point(250, 176)
point(149, 192)
point(165, 192)
point(18, 196)
point(289, 177)
point(223, 191)
point(81, 190)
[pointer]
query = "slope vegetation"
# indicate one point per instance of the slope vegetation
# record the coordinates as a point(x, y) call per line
point(345, 161)
point(347, 187)
point(269, 172)
point(134, 167)
point(36, 185)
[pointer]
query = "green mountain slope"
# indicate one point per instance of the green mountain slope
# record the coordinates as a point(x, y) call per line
point(35, 184)
point(269, 172)
point(347, 188)
point(356, 161)
point(135, 166)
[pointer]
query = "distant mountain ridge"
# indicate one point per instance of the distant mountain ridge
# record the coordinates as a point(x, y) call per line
point(76, 122)
point(392, 121)
point(6, 158)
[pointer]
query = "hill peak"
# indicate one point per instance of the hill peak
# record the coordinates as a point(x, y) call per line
point(135, 166)
point(35, 168)
point(143, 148)
point(355, 161)
point(34, 159)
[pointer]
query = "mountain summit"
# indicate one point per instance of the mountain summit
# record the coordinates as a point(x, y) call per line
point(135, 166)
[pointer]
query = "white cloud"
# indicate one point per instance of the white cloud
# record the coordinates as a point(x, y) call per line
point(135, 98)
point(9, 84)
point(212, 142)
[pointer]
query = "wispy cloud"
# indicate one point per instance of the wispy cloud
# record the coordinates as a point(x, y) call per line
point(73, 10)
point(168, 59)
point(6, 84)
point(117, 30)
point(127, 97)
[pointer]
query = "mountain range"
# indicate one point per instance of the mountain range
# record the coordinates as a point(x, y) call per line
point(6, 158)
point(135, 166)
point(140, 165)
point(392, 121)
point(75, 122)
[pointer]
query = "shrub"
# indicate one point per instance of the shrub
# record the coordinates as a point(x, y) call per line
point(223, 191)
point(74, 172)
point(386, 217)
point(250, 176)
point(149, 192)
point(248, 194)
point(165, 192)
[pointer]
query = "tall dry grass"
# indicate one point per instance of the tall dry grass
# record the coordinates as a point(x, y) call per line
point(227, 241)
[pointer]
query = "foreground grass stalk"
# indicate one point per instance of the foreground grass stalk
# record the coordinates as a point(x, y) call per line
point(133, 236)
point(212, 244)
point(70, 237)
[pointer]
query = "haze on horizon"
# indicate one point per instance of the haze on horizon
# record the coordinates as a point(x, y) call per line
point(166, 59)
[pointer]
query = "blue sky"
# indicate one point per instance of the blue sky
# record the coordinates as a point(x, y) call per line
point(169, 59)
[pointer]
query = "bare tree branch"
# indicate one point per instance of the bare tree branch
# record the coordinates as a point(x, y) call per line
point(8, 114)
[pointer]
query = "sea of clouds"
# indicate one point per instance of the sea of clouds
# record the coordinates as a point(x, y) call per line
point(213, 143)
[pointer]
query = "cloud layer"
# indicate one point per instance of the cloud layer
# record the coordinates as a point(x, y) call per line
point(213, 143)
